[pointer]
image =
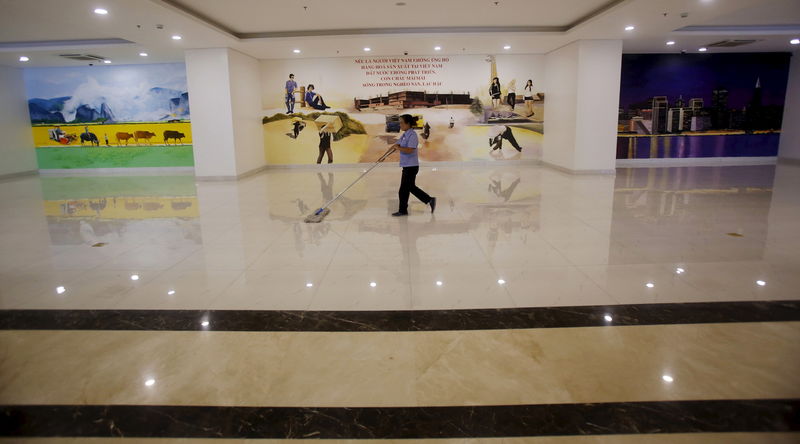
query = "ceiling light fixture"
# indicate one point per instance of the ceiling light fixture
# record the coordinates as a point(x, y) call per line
point(373, 284)
point(630, 28)
point(143, 54)
point(795, 41)
point(437, 48)
point(667, 378)
point(501, 281)
point(171, 292)
point(134, 277)
point(650, 285)
point(761, 283)
point(679, 270)
point(507, 47)
point(24, 59)
point(150, 382)
point(671, 42)
point(703, 49)
point(367, 49)
point(106, 61)
point(439, 283)
point(101, 11)
point(309, 285)
point(176, 37)
point(608, 318)
point(296, 51)
point(60, 290)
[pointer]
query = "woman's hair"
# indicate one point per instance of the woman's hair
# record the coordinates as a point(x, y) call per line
point(495, 80)
point(310, 86)
point(409, 119)
point(530, 82)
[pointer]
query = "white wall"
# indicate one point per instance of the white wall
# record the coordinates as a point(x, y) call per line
point(790, 133)
point(16, 148)
point(582, 99)
point(225, 95)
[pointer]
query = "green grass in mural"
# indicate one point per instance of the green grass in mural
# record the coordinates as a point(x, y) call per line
point(114, 157)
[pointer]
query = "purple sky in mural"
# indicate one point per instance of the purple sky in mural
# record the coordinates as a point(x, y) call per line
point(696, 75)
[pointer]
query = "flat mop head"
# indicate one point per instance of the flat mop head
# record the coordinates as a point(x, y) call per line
point(317, 216)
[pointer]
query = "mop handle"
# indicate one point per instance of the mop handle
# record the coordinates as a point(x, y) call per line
point(382, 158)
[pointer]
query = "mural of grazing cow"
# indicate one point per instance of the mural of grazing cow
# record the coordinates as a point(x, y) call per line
point(146, 135)
point(89, 137)
point(168, 134)
point(124, 136)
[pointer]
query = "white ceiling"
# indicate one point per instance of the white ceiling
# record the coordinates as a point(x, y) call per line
point(330, 28)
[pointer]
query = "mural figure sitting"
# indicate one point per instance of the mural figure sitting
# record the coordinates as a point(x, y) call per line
point(315, 100)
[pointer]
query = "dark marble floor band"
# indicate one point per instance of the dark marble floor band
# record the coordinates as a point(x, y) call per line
point(428, 320)
point(401, 422)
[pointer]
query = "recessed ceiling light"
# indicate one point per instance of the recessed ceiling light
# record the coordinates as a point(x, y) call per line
point(501, 281)
point(671, 42)
point(507, 47)
point(761, 283)
point(373, 284)
point(150, 382)
point(143, 54)
point(60, 290)
point(24, 59)
point(795, 41)
point(437, 48)
point(703, 49)
point(106, 61)
point(667, 378)
point(134, 277)
point(439, 283)
point(176, 37)
point(608, 318)
point(649, 285)
point(171, 292)
point(101, 11)
point(205, 323)
point(679, 270)
point(309, 285)
point(367, 49)
point(630, 28)
point(296, 51)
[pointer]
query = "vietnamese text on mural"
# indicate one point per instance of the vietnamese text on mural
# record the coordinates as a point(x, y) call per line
point(401, 72)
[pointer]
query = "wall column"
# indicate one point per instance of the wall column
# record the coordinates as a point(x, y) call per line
point(789, 149)
point(582, 100)
point(17, 151)
point(225, 99)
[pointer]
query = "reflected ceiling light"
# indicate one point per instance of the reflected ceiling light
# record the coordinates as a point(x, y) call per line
point(761, 283)
point(795, 41)
point(439, 283)
point(24, 59)
point(437, 48)
point(171, 292)
point(150, 382)
point(205, 323)
point(630, 28)
point(608, 318)
point(649, 285)
point(679, 270)
point(309, 285)
point(60, 290)
point(703, 49)
point(373, 284)
point(667, 378)
point(296, 51)
point(143, 54)
point(367, 49)
point(435, 169)
point(106, 61)
point(134, 277)
point(507, 47)
point(671, 42)
point(176, 37)
point(101, 11)
point(501, 281)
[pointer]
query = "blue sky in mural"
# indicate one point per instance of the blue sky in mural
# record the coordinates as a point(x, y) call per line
point(697, 75)
point(125, 93)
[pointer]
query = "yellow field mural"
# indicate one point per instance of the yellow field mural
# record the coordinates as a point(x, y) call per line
point(113, 134)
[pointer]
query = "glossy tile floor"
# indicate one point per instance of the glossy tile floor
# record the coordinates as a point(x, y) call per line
point(502, 237)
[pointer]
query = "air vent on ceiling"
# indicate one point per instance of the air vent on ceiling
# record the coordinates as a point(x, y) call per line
point(730, 43)
point(83, 57)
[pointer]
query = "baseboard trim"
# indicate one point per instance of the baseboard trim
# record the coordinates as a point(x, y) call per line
point(394, 164)
point(19, 174)
point(137, 171)
point(578, 172)
point(788, 161)
point(696, 161)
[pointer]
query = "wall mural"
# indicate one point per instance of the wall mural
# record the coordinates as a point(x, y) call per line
point(110, 116)
point(701, 105)
point(346, 110)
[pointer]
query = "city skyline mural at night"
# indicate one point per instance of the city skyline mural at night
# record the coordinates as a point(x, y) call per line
point(701, 105)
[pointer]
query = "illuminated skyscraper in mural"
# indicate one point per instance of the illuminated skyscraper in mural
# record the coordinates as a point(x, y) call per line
point(719, 108)
point(660, 107)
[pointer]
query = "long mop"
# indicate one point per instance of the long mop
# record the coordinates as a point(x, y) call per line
point(320, 213)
